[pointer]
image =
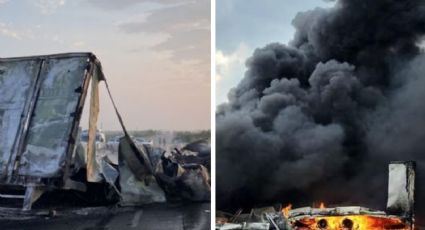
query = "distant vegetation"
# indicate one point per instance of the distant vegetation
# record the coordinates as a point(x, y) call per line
point(178, 136)
point(190, 136)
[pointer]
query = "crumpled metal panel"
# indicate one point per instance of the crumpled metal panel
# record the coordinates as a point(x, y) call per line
point(137, 182)
point(50, 127)
point(135, 192)
point(137, 159)
point(17, 79)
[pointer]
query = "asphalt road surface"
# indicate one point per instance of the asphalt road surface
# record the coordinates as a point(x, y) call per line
point(161, 216)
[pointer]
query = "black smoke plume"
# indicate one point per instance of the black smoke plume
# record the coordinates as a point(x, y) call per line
point(319, 119)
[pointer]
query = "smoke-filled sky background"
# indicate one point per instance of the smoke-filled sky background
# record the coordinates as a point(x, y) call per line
point(319, 111)
point(155, 53)
point(244, 25)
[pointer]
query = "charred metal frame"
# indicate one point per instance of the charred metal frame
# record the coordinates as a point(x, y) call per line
point(77, 116)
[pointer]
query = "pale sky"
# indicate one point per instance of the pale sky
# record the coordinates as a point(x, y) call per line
point(155, 53)
point(244, 25)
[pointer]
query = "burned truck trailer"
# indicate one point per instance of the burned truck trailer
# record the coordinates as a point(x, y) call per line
point(399, 213)
point(41, 102)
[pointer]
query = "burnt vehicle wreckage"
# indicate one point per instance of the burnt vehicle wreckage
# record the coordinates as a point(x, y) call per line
point(41, 104)
point(399, 212)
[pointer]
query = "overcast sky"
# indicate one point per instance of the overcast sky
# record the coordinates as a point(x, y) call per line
point(155, 53)
point(243, 25)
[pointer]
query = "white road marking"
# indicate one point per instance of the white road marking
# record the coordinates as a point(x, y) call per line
point(136, 219)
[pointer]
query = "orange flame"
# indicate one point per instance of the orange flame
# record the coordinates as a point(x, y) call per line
point(286, 209)
point(357, 222)
point(322, 205)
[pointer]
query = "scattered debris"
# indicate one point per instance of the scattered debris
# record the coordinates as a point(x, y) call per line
point(183, 174)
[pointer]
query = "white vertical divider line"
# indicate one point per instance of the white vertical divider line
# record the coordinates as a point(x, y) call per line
point(213, 107)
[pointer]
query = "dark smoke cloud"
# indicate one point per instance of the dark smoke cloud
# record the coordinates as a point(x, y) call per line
point(320, 119)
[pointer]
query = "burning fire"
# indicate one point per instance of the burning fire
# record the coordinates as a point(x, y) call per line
point(347, 222)
point(286, 210)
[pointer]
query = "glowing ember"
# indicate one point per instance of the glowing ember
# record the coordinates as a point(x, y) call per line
point(349, 222)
